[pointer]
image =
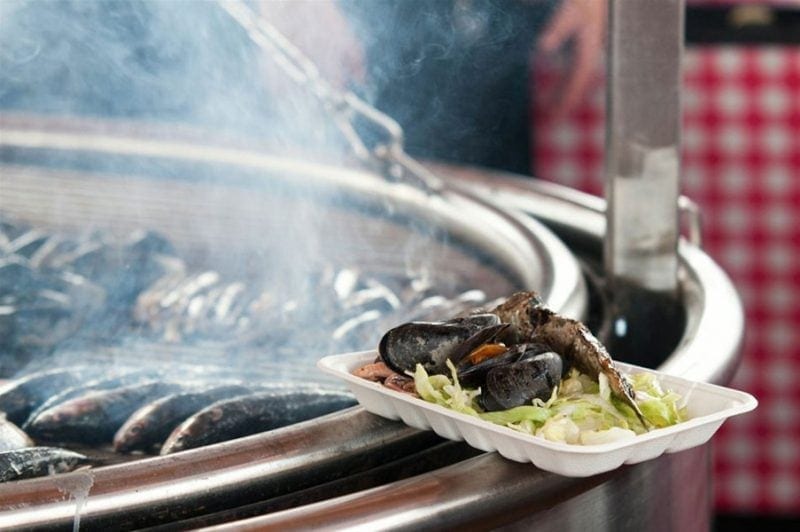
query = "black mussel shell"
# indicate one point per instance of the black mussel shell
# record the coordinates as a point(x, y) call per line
point(475, 376)
point(476, 322)
point(533, 349)
point(483, 336)
point(27, 243)
point(509, 335)
point(426, 343)
point(518, 383)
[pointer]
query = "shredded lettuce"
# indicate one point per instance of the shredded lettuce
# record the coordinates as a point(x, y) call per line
point(518, 414)
point(560, 428)
point(580, 411)
point(441, 390)
point(660, 408)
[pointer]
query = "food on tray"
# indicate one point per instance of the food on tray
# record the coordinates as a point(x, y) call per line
point(524, 366)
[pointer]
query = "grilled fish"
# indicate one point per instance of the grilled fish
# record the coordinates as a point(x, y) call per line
point(96, 416)
point(242, 416)
point(21, 396)
point(109, 382)
point(152, 424)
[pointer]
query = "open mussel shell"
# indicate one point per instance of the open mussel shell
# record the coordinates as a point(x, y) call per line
point(432, 343)
point(474, 376)
point(518, 383)
point(426, 343)
point(476, 322)
point(488, 335)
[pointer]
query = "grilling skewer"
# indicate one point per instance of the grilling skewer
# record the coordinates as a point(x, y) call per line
point(388, 156)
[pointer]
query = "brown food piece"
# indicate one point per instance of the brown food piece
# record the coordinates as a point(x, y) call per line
point(486, 351)
point(377, 371)
point(569, 338)
point(400, 383)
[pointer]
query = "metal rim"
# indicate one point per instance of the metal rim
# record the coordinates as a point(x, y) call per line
point(712, 302)
point(491, 490)
point(242, 466)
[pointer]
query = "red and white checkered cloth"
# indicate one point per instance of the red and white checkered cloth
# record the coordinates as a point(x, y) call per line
point(741, 147)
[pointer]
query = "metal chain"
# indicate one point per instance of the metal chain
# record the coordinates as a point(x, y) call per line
point(388, 156)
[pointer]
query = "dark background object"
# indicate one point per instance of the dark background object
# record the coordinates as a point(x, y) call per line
point(754, 23)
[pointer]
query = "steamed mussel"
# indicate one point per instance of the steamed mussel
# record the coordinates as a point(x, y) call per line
point(433, 343)
point(516, 352)
point(524, 372)
point(485, 354)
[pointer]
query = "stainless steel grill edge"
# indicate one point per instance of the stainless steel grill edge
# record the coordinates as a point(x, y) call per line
point(485, 490)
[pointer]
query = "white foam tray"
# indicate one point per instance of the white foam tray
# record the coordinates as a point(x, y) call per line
point(708, 406)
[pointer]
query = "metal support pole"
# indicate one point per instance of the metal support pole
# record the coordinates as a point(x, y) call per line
point(645, 47)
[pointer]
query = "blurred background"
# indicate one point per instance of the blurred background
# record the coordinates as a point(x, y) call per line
point(741, 164)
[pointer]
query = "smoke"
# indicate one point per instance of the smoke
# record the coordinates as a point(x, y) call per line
point(189, 62)
point(171, 62)
point(453, 74)
point(161, 61)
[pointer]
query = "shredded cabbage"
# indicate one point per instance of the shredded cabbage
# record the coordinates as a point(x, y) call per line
point(441, 390)
point(580, 411)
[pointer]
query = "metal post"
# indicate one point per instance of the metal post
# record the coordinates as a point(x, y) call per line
point(645, 47)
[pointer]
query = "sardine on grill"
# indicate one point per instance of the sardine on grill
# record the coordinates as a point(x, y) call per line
point(115, 378)
point(96, 416)
point(21, 396)
point(150, 425)
point(27, 243)
point(251, 414)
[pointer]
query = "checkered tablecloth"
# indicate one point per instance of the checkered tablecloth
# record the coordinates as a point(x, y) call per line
point(741, 147)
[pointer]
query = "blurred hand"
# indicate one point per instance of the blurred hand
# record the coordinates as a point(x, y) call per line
point(583, 24)
point(322, 32)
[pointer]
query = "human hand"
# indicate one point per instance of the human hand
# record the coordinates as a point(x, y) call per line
point(321, 31)
point(582, 22)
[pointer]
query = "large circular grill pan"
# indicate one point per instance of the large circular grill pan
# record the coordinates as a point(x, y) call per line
point(245, 194)
point(625, 496)
point(672, 492)
point(486, 247)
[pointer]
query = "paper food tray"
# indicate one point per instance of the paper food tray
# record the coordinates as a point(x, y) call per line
point(708, 406)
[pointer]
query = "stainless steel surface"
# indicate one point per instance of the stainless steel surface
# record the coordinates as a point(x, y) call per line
point(643, 123)
point(690, 213)
point(672, 492)
point(172, 487)
point(489, 492)
point(709, 297)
